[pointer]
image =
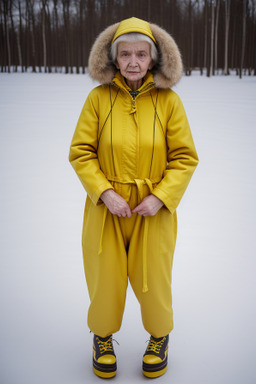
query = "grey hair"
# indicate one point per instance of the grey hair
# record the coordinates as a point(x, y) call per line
point(134, 37)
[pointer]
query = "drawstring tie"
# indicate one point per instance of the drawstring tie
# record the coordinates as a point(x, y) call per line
point(139, 183)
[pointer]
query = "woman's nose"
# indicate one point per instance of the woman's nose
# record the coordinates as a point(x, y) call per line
point(133, 61)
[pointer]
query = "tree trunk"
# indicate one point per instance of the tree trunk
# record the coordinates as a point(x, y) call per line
point(81, 23)
point(49, 38)
point(44, 36)
point(216, 34)
point(234, 38)
point(31, 16)
point(65, 8)
point(212, 35)
point(7, 34)
point(2, 37)
point(56, 36)
point(227, 19)
point(192, 41)
point(253, 37)
point(19, 34)
point(205, 32)
point(189, 45)
point(13, 40)
point(243, 38)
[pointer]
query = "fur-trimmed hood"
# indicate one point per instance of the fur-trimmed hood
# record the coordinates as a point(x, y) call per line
point(167, 72)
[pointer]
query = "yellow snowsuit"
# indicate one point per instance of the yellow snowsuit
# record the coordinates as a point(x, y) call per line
point(136, 147)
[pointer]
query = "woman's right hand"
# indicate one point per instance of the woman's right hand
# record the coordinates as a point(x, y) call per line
point(115, 203)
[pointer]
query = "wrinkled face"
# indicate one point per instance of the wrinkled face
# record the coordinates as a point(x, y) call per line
point(133, 60)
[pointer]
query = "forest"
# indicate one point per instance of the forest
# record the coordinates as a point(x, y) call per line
point(214, 36)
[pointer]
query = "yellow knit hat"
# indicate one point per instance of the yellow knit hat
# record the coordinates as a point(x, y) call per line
point(133, 25)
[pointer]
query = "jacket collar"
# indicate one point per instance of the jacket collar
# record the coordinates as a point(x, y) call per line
point(147, 84)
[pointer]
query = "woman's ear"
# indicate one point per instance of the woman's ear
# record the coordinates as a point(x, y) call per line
point(116, 64)
point(151, 65)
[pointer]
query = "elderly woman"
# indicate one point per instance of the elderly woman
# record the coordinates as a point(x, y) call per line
point(134, 154)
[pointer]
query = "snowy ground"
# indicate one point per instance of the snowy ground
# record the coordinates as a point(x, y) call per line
point(43, 297)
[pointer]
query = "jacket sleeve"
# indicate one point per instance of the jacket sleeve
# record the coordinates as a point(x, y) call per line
point(83, 151)
point(182, 158)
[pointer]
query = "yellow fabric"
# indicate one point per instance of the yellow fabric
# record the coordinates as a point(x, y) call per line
point(122, 258)
point(133, 25)
point(139, 184)
point(135, 147)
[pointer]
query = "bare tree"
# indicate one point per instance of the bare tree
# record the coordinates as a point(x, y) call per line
point(31, 33)
point(66, 17)
point(188, 10)
point(216, 35)
point(243, 38)
point(13, 39)
point(2, 37)
point(81, 27)
point(19, 33)
point(56, 56)
point(253, 62)
point(213, 5)
point(7, 32)
point(205, 32)
point(190, 38)
point(227, 20)
point(43, 13)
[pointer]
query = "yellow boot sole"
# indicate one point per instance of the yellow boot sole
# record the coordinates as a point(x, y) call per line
point(104, 375)
point(152, 375)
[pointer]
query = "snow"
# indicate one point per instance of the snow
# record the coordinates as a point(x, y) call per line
point(43, 296)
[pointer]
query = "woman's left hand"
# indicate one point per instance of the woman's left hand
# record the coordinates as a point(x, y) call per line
point(149, 206)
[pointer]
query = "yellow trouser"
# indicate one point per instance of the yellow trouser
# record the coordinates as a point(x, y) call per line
point(126, 251)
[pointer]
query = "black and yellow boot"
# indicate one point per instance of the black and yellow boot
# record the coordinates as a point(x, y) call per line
point(155, 357)
point(104, 358)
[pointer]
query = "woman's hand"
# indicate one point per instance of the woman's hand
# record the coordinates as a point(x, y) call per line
point(149, 206)
point(115, 203)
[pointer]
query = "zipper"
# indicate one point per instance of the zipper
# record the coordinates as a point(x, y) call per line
point(134, 94)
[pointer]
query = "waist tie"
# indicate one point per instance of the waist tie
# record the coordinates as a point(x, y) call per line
point(139, 183)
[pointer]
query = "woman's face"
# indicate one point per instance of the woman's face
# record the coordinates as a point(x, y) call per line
point(133, 61)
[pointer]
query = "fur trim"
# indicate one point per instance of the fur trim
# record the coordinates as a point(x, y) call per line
point(169, 69)
point(166, 73)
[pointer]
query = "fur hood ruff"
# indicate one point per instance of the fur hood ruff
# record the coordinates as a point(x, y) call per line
point(166, 73)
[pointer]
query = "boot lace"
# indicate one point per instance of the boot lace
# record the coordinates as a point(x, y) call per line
point(105, 346)
point(155, 346)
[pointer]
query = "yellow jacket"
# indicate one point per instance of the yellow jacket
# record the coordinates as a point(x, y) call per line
point(140, 144)
point(146, 140)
